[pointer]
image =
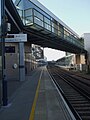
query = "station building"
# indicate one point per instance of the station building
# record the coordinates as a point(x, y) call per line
point(73, 61)
point(86, 37)
point(12, 56)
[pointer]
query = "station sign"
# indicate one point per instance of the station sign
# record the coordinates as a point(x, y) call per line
point(16, 38)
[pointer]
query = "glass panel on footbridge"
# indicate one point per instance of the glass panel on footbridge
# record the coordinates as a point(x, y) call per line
point(36, 18)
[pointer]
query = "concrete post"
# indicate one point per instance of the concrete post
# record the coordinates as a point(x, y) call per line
point(86, 58)
point(27, 57)
point(87, 62)
point(86, 37)
point(21, 62)
point(77, 59)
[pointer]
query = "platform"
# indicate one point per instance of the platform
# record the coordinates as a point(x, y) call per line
point(50, 103)
point(37, 99)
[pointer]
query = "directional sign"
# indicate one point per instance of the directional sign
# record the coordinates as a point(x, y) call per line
point(16, 38)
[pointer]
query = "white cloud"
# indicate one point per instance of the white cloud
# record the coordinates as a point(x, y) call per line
point(52, 54)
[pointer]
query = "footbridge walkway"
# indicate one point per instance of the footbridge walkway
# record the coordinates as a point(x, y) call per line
point(42, 26)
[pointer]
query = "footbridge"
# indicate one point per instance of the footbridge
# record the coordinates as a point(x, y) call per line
point(42, 26)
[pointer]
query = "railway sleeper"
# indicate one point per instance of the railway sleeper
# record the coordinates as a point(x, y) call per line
point(79, 102)
point(75, 99)
point(82, 109)
point(85, 117)
point(74, 96)
point(81, 105)
point(84, 113)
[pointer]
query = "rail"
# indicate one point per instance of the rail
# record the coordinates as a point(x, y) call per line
point(72, 92)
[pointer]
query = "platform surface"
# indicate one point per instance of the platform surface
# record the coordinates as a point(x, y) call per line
point(50, 105)
point(21, 101)
point(36, 99)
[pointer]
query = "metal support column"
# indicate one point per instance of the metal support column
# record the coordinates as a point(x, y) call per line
point(21, 62)
point(4, 80)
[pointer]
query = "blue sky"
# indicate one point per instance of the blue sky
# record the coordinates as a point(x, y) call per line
point(75, 13)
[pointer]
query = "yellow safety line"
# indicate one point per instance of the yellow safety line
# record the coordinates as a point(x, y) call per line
point(35, 100)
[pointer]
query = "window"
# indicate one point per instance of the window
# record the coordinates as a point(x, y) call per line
point(28, 12)
point(28, 17)
point(38, 18)
point(47, 26)
point(10, 49)
point(38, 15)
point(19, 4)
point(20, 13)
point(54, 26)
point(46, 20)
point(28, 20)
point(38, 21)
point(47, 23)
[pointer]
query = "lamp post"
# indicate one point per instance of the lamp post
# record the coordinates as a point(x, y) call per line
point(4, 81)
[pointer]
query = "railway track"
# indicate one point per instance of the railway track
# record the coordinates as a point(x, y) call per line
point(74, 90)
